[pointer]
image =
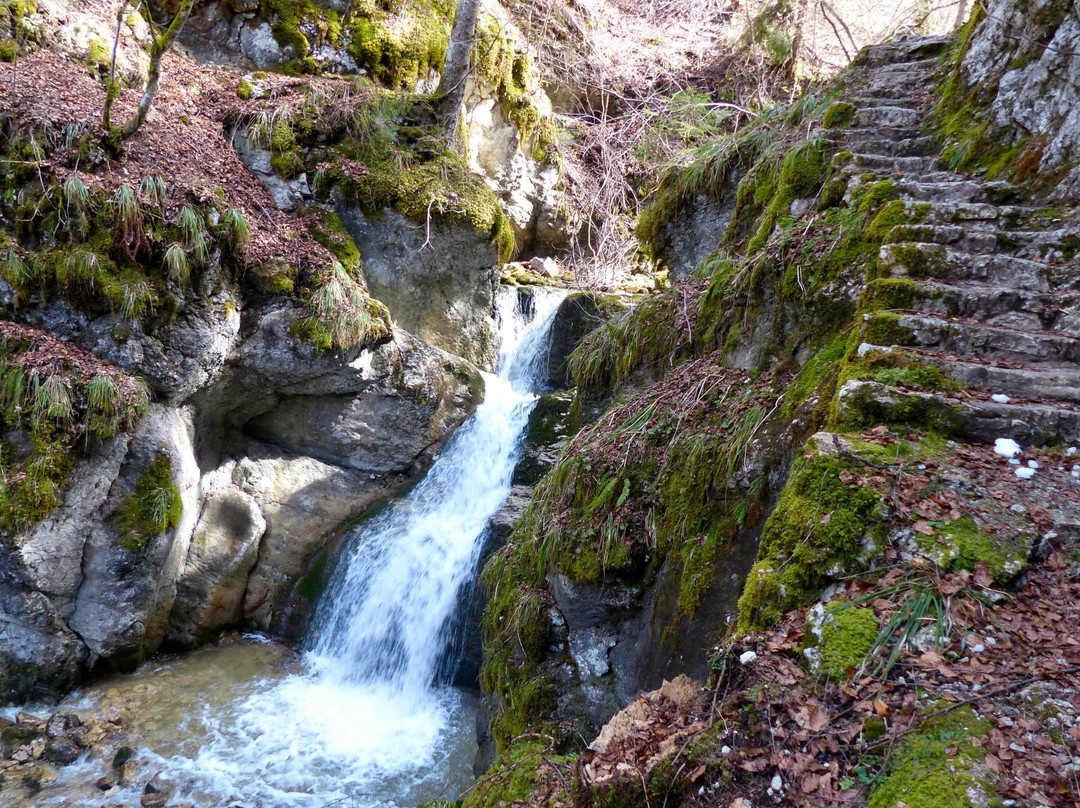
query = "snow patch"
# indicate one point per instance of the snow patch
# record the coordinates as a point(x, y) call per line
point(1006, 447)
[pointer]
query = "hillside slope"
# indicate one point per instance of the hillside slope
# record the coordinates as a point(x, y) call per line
point(870, 384)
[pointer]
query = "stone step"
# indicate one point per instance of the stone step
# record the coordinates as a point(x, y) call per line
point(951, 188)
point(970, 214)
point(951, 235)
point(967, 338)
point(911, 77)
point(864, 403)
point(906, 50)
point(925, 261)
point(1019, 309)
point(896, 165)
point(907, 100)
point(869, 142)
point(890, 133)
point(1049, 381)
point(1053, 246)
point(888, 116)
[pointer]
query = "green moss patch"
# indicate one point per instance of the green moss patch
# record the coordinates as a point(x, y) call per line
point(153, 508)
point(939, 766)
point(963, 544)
point(398, 42)
point(824, 525)
point(847, 638)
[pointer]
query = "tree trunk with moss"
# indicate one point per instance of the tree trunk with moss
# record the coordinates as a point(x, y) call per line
point(163, 40)
point(456, 69)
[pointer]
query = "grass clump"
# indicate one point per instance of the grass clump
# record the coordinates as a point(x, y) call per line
point(153, 508)
point(342, 314)
point(54, 400)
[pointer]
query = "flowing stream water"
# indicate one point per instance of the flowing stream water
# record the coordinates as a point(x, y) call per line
point(366, 716)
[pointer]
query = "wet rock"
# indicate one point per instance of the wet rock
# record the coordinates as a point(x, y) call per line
point(578, 315)
point(18, 736)
point(215, 573)
point(157, 792)
point(62, 750)
point(60, 724)
point(439, 285)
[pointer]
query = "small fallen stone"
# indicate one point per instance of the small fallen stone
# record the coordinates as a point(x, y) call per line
point(747, 657)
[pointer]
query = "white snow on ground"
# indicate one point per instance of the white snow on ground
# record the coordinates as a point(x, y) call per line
point(1000, 398)
point(1025, 473)
point(1006, 447)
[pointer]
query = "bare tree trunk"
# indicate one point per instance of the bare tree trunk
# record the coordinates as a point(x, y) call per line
point(456, 69)
point(961, 14)
point(158, 48)
point(798, 20)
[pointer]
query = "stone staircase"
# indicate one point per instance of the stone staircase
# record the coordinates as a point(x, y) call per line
point(990, 290)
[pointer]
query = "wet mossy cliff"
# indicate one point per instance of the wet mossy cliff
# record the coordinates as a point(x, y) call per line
point(725, 481)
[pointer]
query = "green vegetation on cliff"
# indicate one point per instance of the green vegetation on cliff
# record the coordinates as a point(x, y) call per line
point(398, 43)
point(152, 508)
point(55, 402)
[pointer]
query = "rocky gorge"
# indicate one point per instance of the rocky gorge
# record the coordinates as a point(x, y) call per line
point(805, 493)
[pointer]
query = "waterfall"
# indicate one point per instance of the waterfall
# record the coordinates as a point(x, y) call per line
point(386, 614)
point(366, 722)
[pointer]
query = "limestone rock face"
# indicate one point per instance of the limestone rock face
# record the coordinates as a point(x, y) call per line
point(271, 447)
point(439, 282)
point(1022, 59)
point(215, 573)
point(526, 188)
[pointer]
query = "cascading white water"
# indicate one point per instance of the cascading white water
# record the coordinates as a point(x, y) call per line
point(386, 614)
point(366, 722)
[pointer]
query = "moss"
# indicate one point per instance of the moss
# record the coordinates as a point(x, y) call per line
point(939, 766)
point(440, 187)
point(513, 776)
point(847, 637)
point(99, 55)
point(330, 232)
point(886, 328)
point(801, 173)
point(400, 43)
point(900, 369)
point(822, 526)
point(883, 294)
point(962, 544)
point(275, 277)
point(9, 50)
point(245, 90)
point(874, 403)
point(838, 115)
point(153, 508)
point(285, 154)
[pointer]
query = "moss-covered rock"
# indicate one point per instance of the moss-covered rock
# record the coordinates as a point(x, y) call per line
point(152, 508)
point(823, 526)
point(939, 766)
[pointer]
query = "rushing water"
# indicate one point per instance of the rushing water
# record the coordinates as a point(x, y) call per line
point(362, 718)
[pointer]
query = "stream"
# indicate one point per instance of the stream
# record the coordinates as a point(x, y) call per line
point(365, 714)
